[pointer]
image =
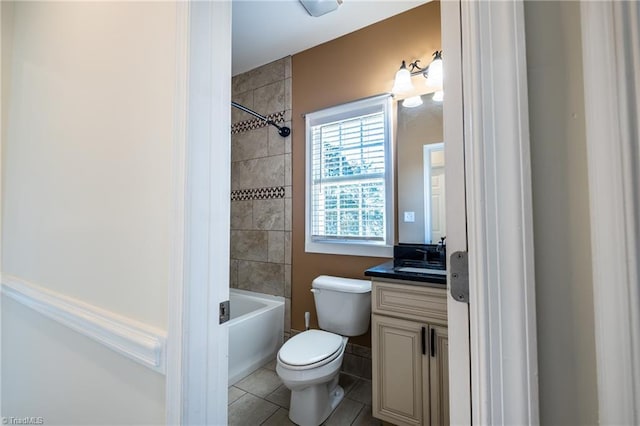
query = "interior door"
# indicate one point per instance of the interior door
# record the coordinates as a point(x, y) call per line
point(456, 220)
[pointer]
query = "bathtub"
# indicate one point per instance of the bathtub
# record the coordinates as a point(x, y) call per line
point(255, 331)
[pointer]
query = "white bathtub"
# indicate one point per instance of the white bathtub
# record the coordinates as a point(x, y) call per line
point(255, 331)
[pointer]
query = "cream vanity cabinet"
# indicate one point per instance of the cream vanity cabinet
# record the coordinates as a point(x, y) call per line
point(410, 353)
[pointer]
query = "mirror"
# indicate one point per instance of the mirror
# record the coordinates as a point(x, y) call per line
point(420, 172)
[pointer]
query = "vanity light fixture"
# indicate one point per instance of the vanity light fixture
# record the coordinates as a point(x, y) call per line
point(317, 8)
point(412, 102)
point(432, 74)
point(402, 82)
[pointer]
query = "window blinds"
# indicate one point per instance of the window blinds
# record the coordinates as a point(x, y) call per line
point(348, 178)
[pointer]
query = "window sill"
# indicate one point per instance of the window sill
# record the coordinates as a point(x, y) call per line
point(349, 249)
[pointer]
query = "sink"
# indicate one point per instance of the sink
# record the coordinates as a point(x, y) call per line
point(420, 270)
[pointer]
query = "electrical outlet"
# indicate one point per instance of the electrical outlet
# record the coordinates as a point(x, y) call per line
point(409, 216)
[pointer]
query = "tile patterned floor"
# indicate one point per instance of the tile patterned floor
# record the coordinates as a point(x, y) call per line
point(262, 399)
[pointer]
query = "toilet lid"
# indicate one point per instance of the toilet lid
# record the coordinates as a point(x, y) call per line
point(310, 347)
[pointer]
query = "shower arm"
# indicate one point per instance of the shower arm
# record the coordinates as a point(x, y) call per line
point(282, 130)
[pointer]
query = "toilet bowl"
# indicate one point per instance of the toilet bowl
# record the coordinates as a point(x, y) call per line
point(309, 362)
point(309, 366)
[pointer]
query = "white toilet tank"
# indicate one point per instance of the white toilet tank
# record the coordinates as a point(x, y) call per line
point(343, 304)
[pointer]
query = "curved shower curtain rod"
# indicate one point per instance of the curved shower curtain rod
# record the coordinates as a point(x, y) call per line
point(282, 130)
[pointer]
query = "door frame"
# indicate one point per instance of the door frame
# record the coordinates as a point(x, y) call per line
point(611, 62)
point(487, 143)
point(197, 345)
point(495, 360)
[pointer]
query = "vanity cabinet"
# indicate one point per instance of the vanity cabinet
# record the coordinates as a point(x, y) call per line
point(410, 353)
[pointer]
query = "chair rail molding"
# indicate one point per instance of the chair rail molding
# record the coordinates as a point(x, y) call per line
point(135, 340)
point(504, 366)
point(611, 66)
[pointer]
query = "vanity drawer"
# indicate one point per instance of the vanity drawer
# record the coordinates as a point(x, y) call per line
point(411, 302)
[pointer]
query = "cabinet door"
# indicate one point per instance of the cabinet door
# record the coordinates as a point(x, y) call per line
point(399, 370)
point(438, 375)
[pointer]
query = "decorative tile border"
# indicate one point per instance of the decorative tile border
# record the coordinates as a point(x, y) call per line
point(256, 123)
point(258, 193)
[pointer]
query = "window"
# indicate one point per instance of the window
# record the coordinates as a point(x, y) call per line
point(349, 206)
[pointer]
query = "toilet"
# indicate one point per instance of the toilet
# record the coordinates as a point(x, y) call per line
point(309, 362)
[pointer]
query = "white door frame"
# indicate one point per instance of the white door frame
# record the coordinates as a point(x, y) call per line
point(494, 119)
point(197, 346)
point(611, 67)
point(456, 220)
point(499, 225)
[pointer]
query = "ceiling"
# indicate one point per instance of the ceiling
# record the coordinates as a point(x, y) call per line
point(266, 30)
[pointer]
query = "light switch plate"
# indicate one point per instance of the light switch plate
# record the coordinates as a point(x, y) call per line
point(409, 216)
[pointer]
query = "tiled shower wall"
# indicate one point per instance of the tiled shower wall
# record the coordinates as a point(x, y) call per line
point(261, 184)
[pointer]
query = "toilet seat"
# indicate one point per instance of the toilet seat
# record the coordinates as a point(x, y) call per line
point(310, 349)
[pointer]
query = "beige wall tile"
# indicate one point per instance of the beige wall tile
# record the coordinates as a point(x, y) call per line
point(244, 99)
point(276, 142)
point(287, 93)
point(287, 140)
point(287, 66)
point(268, 214)
point(276, 246)
point(249, 245)
point(287, 169)
point(233, 273)
point(287, 248)
point(242, 215)
point(250, 144)
point(287, 281)
point(269, 99)
point(287, 213)
point(287, 314)
point(258, 173)
point(261, 277)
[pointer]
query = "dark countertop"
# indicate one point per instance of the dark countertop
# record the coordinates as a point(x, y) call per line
point(386, 271)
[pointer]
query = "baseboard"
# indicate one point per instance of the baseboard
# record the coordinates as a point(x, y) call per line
point(142, 343)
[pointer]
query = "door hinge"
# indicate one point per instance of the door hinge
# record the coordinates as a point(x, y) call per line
point(224, 311)
point(459, 264)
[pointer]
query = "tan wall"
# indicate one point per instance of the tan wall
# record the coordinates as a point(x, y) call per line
point(564, 297)
point(354, 66)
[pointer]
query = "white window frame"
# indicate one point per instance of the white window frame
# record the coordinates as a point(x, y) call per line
point(350, 247)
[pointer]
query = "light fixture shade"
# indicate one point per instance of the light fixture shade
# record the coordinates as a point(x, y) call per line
point(320, 7)
point(402, 83)
point(435, 73)
point(412, 102)
point(438, 96)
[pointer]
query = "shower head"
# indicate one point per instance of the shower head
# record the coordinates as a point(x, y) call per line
point(284, 131)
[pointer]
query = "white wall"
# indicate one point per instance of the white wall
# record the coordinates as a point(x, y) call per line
point(564, 293)
point(52, 372)
point(86, 173)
